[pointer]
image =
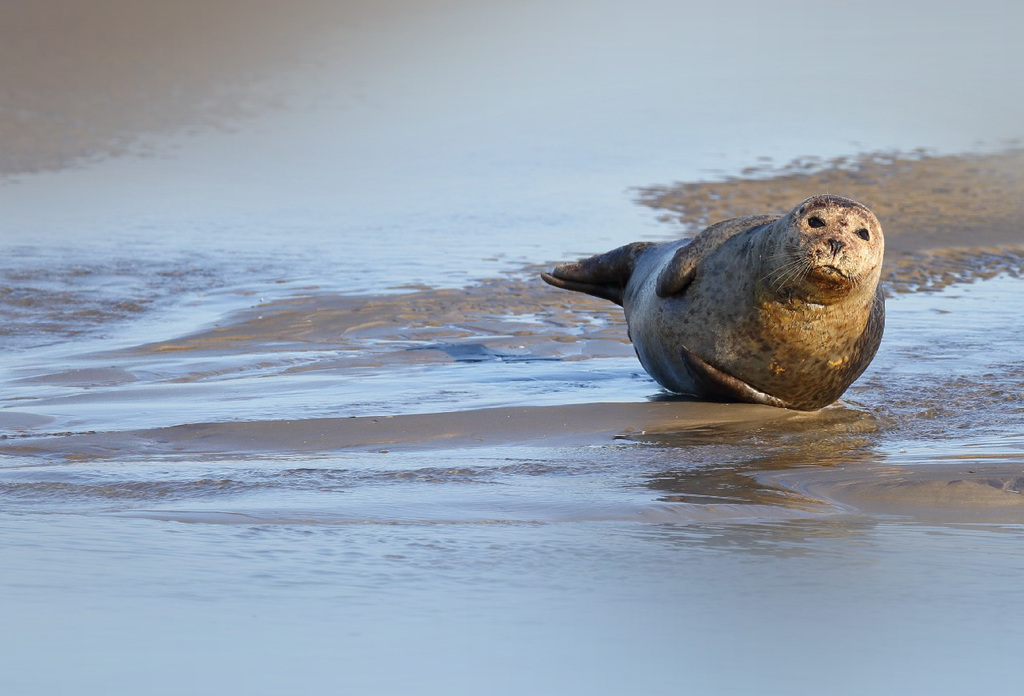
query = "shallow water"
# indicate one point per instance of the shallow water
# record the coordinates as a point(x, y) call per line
point(285, 406)
point(815, 546)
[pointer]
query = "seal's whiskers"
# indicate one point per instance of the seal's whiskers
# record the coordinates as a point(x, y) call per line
point(793, 270)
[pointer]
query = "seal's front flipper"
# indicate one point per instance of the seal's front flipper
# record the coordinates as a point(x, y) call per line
point(676, 276)
point(604, 275)
point(680, 271)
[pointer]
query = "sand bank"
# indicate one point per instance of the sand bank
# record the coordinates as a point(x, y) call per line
point(947, 219)
point(579, 424)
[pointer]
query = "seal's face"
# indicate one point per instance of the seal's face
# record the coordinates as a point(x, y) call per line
point(832, 245)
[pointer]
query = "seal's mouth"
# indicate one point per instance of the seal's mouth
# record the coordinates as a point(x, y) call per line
point(831, 270)
point(828, 275)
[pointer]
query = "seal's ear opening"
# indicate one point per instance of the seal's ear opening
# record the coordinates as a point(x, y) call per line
point(604, 275)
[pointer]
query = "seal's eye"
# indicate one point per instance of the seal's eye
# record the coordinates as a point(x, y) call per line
point(815, 221)
point(864, 234)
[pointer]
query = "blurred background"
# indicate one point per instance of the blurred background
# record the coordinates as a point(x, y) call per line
point(345, 137)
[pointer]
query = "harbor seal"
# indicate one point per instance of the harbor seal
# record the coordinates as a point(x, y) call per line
point(778, 310)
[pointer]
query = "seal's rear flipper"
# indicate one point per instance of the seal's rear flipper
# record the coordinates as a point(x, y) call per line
point(604, 275)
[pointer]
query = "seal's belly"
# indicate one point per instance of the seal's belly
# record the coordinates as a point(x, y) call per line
point(780, 350)
point(786, 351)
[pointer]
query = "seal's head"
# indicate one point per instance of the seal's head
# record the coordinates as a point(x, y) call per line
point(830, 247)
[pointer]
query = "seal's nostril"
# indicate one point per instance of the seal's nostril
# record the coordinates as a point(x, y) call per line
point(836, 245)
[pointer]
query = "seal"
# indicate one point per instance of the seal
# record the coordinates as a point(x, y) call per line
point(778, 310)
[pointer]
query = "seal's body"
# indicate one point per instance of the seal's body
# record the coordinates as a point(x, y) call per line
point(784, 311)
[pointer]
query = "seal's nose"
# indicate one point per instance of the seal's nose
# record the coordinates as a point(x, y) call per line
point(836, 245)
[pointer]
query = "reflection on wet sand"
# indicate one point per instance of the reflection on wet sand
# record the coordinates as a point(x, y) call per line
point(725, 464)
point(975, 491)
point(835, 465)
point(509, 363)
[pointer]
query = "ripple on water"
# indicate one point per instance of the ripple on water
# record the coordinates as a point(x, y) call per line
point(945, 390)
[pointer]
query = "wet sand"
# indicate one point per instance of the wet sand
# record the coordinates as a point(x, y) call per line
point(284, 401)
point(948, 220)
point(937, 493)
point(578, 425)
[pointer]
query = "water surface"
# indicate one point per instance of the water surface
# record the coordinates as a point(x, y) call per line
point(285, 407)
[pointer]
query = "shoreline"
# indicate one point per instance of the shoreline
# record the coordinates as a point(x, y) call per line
point(516, 318)
point(947, 218)
point(933, 239)
point(574, 424)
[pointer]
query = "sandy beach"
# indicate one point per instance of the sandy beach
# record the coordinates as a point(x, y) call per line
point(285, 406)
point(963, 230)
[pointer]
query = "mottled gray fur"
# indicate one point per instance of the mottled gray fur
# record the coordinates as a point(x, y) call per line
point(777, 310)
